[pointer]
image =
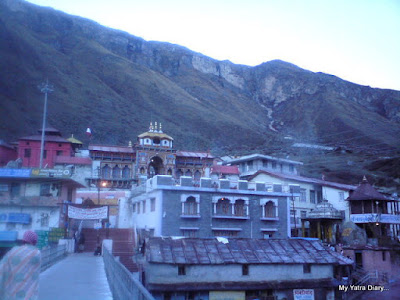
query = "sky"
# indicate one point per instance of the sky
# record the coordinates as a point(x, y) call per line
point(357, 40)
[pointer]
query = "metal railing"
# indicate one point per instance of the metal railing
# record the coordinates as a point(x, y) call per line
point(52, 255)
point(122, 283)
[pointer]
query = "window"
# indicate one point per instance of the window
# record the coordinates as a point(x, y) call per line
point(383, 255)
point(293, 216)
point(267, 234)
point(27, 153)
point(223, 207)
point(45, 189)
point(188, 173)
point(138, 207)
point(303, 214)
point(152, 204)
point(144, 206)
point(341, 196)
point(239, 208)
point(190, 206)
point(291, 168)
point(303, 195)
point(44, 219)
point(134, 207)
point(181, 270)
point(245, 269)
point(126, 172)
point(312, 196)
point(116, 172)
point(265, 163)
point(192, 233)
point(106, 171)
point(306, 268)
point(250, 165)
point(44, 153)
point(225, 233)
point(269, 210)
point(274, 165)
point(59, 153)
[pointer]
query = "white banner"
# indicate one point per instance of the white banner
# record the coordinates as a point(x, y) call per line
point(372, 218)
point(87, 213)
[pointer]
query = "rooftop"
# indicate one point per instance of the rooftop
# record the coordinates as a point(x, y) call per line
point(211, 251)
point(304, 179)
point(365, 191)
point(261, 156)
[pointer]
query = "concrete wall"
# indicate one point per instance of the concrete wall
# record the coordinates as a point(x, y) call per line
point(168, 219)
point(332, 195)
point(168, 273)
point(38, 214)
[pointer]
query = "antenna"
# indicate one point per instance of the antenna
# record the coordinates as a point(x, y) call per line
point(44, 88)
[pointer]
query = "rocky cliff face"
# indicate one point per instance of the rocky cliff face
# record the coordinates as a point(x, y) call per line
point(116, 82)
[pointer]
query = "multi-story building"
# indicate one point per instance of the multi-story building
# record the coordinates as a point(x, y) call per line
point(270, 170)
point(213, 208)
point(35, 199)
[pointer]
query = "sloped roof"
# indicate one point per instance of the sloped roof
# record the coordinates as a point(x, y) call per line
point(262, 156)
point(211, 251)
point(225, 169)
point(304, 179)
point(73, 160)
point(194, 154)
point(365, 191)
point(74, 140)
point(47, 138)
point(122, 149)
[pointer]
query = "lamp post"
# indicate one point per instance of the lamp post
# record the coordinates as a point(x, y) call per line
point(100, 184)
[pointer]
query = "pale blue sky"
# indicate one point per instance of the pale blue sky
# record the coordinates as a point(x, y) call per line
point(356, 40)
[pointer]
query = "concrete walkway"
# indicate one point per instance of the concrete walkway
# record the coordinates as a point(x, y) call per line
point(79, 276)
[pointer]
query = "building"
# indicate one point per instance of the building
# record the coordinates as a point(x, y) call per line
point(8, 153)
point(55, 145)
point(250, 164)
point(271, 170)
point(153, 154)
point(35, 199)
point(236, 268)
point(373, 241)
point(213, 208)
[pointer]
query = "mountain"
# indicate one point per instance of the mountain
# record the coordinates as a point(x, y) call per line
point(116, 83)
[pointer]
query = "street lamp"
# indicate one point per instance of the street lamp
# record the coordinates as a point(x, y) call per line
point(99, 185)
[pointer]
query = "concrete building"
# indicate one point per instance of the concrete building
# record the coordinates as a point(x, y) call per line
point(217, 268)
point(216, 208)
point(35, 199)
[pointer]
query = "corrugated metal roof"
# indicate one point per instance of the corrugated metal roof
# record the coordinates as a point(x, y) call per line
point(47, 138)
point(304, 179)
point(194, 154)
point(262, 156)
point(240, 251)
point(225, 169)
point(73, 160)
point(121, 149)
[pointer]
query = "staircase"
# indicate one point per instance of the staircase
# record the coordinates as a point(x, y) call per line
point(123, 243)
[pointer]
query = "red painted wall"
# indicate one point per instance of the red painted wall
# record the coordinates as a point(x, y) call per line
point(53, 149)
point(7, 154)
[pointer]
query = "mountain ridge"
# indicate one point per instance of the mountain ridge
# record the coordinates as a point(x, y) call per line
point(115, 83)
